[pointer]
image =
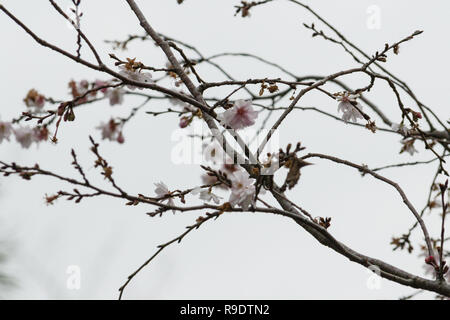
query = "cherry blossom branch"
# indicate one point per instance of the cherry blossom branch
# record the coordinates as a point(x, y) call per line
point(161, 247)
point(204, 107)
point(312, 227)
point(400, 242)
point(81, 35)
point(164, 45)
point(406, 114)
point(398, 81)
point(103, 68)
point(27, 173)
point(431, 134)
point(245, 7)
point(386, 180)
point(443, 268)
point(405, 164)
point(386, 270)
point(319, 83)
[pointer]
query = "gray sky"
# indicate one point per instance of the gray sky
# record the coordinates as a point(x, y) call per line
point(239, 255)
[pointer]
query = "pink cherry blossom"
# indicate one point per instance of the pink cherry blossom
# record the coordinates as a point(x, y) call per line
point(115, 96)
point(40, 134)
point(111, 131)
point(241, 115)
point(25, 136)
point(34, 99)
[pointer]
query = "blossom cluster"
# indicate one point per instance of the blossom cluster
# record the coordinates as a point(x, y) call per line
point(34, 100)
point(111, 131)
point(242, 191)
point(25, 136)
point(82, 91)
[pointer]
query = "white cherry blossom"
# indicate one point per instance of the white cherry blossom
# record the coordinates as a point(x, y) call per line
point(242, 190)
point(206, 195)
point(135, 75)
point(347, 107)
point(271, 164)
point(408, 146)
point(162, 191)
point(400, 127)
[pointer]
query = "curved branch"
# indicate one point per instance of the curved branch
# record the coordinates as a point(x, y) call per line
point(386, 180)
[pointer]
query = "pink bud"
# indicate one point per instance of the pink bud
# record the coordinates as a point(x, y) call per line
point(184, 122)
point(430, 260)
point(120, 138)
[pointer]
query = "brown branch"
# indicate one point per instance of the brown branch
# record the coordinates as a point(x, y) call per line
point(405, 199)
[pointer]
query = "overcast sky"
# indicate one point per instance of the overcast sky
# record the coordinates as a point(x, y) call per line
point(239, 256)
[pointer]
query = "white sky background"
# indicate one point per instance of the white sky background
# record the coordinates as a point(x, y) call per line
point(239, 255)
